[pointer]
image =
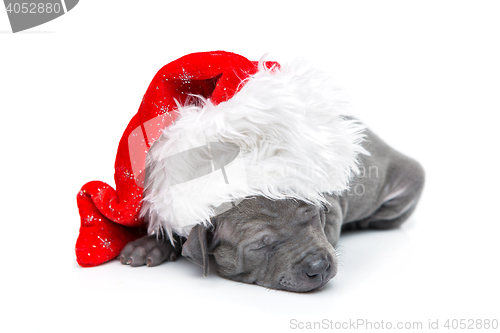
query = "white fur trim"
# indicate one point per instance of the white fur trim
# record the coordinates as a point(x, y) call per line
point(296, 140)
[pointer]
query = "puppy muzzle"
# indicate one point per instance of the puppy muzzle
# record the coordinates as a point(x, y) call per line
point(311, 273)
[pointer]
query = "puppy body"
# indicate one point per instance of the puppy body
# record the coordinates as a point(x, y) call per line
point(383, 196)
point(289, 244)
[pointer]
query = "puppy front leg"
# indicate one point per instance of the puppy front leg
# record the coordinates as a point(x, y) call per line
point(150, 251)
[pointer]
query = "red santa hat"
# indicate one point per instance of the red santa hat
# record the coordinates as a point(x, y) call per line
point(214, 128)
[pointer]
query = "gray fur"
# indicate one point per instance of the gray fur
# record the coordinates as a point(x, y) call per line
point(288, 244)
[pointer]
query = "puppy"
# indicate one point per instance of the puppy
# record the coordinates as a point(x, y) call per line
point(289, 244)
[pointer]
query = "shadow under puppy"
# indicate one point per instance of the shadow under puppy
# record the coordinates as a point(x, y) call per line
point(288, 244)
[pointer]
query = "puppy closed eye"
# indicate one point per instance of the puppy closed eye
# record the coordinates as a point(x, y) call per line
point(265, 243)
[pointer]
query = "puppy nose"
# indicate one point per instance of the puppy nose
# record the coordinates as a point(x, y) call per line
point(316, 266)
point(314, 271)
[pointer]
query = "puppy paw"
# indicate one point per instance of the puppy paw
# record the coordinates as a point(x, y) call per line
point(148, 251)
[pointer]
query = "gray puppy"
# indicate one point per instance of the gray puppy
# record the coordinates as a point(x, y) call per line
point(289, 244)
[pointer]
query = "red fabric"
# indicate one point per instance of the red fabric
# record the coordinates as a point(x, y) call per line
point(110, 218)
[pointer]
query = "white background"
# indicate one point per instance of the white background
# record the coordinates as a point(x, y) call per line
point(424, 75)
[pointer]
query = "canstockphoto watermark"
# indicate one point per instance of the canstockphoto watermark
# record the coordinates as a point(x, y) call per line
point(366, 324)
point(26, 14)
point(354, 324)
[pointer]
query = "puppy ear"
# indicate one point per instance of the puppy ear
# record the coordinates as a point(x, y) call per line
point(196, 247)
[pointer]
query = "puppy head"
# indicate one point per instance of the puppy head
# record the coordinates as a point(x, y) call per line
point(278, 244)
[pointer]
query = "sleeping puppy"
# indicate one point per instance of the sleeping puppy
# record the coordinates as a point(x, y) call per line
point(289, 244)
